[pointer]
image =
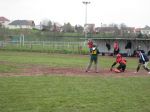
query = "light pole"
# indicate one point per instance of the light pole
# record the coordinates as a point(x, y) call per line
point(85, 29)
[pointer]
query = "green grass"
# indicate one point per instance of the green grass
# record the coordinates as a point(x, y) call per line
point(59, 60)
point(69, 93)
point(74, 94)
point(49, 47)
point(8, 68)
point(54, 60)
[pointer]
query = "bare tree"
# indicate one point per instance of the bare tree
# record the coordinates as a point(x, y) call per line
point(79, 28)
point(46, 25)
point(68, 27)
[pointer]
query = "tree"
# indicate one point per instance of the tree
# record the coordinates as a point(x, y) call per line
point(122, 26)
point(123, 29)
point(79, 28)
point(49, 24)
point(0, 25)
point(140, 35)
point(113, 25)
point(46, 25)
point(68, 27)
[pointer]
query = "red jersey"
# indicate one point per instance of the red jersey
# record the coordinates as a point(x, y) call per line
point(116, 46)
point(121, 60)
point(90, 44)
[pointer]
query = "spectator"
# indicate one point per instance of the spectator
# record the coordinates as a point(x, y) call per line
point(128, 48)
point(116, 48)
point(90, 43)
point(108, 46)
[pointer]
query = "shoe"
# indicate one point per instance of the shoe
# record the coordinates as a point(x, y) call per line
point(148, 72)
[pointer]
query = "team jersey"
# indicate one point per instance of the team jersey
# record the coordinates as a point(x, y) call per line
point(90, 44)
point(143, 58)
point(116, 46)
point(94, 53)
point(121, 60)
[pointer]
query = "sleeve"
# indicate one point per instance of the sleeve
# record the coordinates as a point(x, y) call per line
point(98, 51)
point(113, 64)
point(142, 57)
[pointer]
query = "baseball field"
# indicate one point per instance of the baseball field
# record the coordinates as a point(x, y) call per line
point(45, 82)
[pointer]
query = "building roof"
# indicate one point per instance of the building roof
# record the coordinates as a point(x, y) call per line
point(3, 19)
point(146, 28)
point(23, 22)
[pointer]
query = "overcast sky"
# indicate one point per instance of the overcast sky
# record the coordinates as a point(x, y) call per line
point(134, 13)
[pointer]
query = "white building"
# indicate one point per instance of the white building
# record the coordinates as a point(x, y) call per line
point(4, 21)
point(146, 30)
point(25, 24)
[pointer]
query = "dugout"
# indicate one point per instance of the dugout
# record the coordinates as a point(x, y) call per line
point(105, 45)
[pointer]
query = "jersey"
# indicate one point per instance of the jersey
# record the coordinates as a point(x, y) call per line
point(143, 58)
point(90, 44)
point(121, 60)
point(94, 53)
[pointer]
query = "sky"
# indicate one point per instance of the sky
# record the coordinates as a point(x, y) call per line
point(133, 13)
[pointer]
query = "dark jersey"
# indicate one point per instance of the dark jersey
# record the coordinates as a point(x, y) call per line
point(143, 58)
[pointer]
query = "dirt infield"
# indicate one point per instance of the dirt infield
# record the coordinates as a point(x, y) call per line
point(44, 70)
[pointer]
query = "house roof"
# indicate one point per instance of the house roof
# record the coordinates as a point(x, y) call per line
point(146, 28)
point(3, 19)
point(23, 22)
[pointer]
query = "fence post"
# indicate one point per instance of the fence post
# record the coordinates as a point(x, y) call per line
point(43, 44)
point(31, 45)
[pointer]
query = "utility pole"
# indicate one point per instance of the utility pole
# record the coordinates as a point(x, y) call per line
point(85, 29)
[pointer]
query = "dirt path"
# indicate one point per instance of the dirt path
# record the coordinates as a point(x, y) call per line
point(44, 70)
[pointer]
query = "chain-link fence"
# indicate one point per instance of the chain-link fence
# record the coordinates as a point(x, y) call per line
point(45, 46)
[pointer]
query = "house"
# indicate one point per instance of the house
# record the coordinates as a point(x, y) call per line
point(4, 22)
point(146, 30)
point(107, 30)
point(89, 28)
point(56, 27)
point(25, 24)
point(127, 31)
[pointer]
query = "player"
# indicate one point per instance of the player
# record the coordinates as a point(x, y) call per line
point(90, 43)
point(93, 58)
point(122, 64)
point(143, 61)
point(116, 48)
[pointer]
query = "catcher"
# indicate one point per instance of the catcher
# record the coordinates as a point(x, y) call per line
point(122, 64)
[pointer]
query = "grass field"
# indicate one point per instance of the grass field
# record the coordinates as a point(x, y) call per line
point(53, 93)
point(12, 60)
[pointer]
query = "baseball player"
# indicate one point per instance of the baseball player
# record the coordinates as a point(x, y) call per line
point(93, 58)
point(90, 43)
point(143, 61)
point(122, 64)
